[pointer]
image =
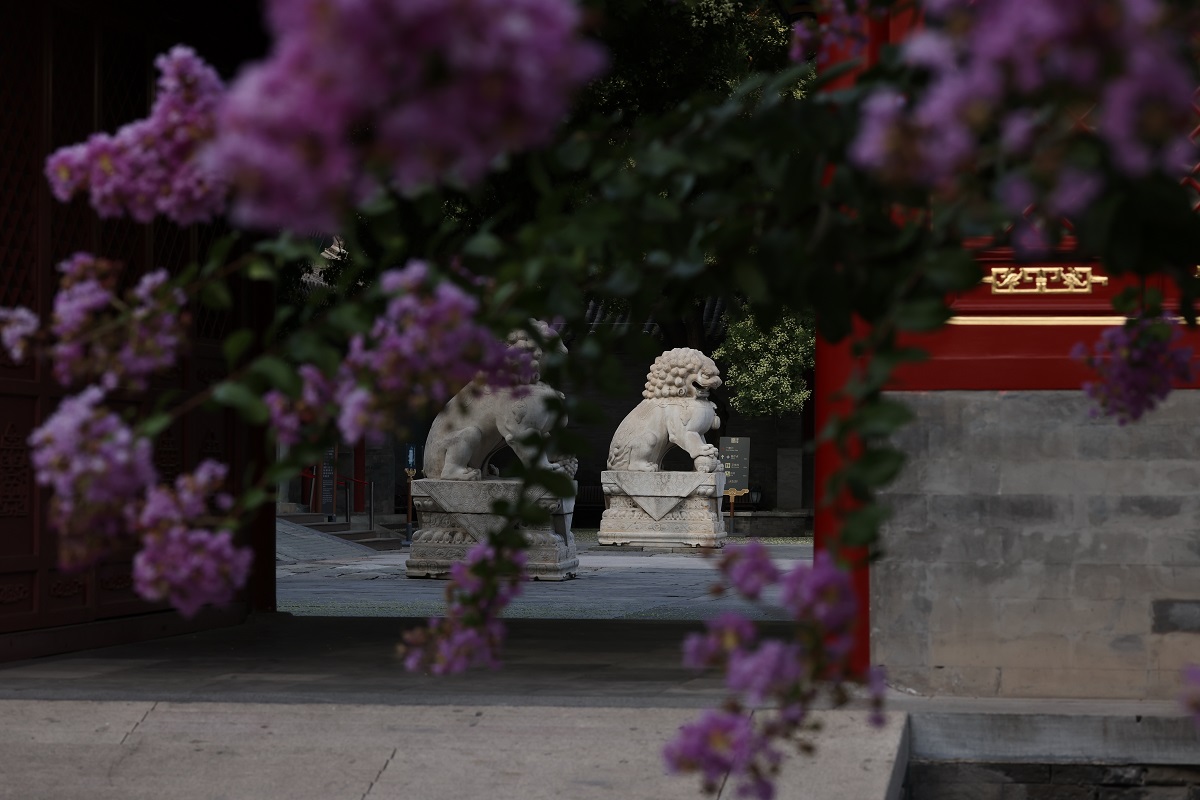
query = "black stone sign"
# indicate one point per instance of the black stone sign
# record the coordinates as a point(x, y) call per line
point(735, 455)
point(328, 468)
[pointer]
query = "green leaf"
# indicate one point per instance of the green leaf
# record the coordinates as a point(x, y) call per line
point(253, 498)
point(154, 425)
point(878, 466)
point(556, 483)
point(350, 318)
point(236, 345)
point(922, 314)
point(278, 373)
point(574, 153)
point(215, 295)
point(218, 254)
point(289, 248)
point(483, 245)
point(881, 417)
point(260, 270)
point(861, 526)
point(238, 397)
point(952, 270)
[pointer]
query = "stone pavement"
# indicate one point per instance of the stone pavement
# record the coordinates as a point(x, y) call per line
point(610, 585)
point(292, 706)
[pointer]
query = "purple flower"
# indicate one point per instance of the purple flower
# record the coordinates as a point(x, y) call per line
point(17, 326)
point(773, 668)
point(96, 469)
point(471, 634)
point(1076, 189)
point(152, 166)
point(932, 50)
point(1145, 115)
point(95, 342)
point(1136, 365)
point(405, 93)
point(877, 691)
point(1190, 698)
point(721, 743)
point(423, 348)
point(821, 594)
point(728, 632)
point(190, 567)
point(749, 568)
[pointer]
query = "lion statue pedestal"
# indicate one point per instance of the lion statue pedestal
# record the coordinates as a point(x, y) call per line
point(663, 509)
point(646, 506)
point(454, 499)
point(456, 515)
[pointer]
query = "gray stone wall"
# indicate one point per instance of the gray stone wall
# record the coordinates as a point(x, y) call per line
point(1034, 551)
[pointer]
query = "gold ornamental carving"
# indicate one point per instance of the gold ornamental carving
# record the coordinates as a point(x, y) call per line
point(1044, 280)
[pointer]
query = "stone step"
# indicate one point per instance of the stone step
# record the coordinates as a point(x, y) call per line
point(356, 534)
point(328, 527)
point(303, 518)
point(383, 543)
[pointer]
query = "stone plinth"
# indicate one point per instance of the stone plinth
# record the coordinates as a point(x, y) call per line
point(662, 509)
point(454, 516)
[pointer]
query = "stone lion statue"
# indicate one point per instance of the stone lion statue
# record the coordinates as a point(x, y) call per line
point(480, 420)
point(675, 411)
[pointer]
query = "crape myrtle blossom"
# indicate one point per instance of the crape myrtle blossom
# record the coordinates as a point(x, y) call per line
point(1190, 697)
point(105, 497)
point(471, 633)
point(409, 93)
point(17, 326)
point(1136, 365)
point(423, 347)
point(180, 561)
point(1009, 75)
point(724, 743)
point(786, 674)
point(117, 343)
point(749, 568)
point(152, 166)
point(96, 468)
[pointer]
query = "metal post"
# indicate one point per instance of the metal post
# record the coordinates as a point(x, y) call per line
point(411, 473)
point(347, 484)
point(371, 505)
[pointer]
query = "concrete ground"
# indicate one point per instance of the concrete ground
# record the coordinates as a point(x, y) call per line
point(315, 704)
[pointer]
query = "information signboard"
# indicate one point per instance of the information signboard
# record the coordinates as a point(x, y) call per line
point(328, 474)
point(735, 456)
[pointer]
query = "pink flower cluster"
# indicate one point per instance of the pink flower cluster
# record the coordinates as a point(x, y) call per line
point(153, 166)
point(1136, 365)
point(786, 673)
point(99, 338)
point(1005, 77)
point(403, 92)
point(180, 561)
point(422, 348)
point(471, 634)
point(105, 498)
point(1190, 698)
point(17, 326)
point(96, 468)
point(838, 30)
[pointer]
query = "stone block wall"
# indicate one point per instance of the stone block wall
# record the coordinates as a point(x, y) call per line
point(1037, 552)
point(1021, 781)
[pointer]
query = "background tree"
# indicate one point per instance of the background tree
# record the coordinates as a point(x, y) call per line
point(765, 365)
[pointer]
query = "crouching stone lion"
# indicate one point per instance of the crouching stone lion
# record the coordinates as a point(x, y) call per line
point(479, 421)
point(675, 411)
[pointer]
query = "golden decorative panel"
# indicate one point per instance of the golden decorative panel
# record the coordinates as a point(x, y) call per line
point(1044, 280)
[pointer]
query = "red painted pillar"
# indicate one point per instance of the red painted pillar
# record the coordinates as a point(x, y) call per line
point(834, 367)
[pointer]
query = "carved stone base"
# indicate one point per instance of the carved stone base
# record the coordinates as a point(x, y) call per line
point(454, 516)
point(663, 509)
